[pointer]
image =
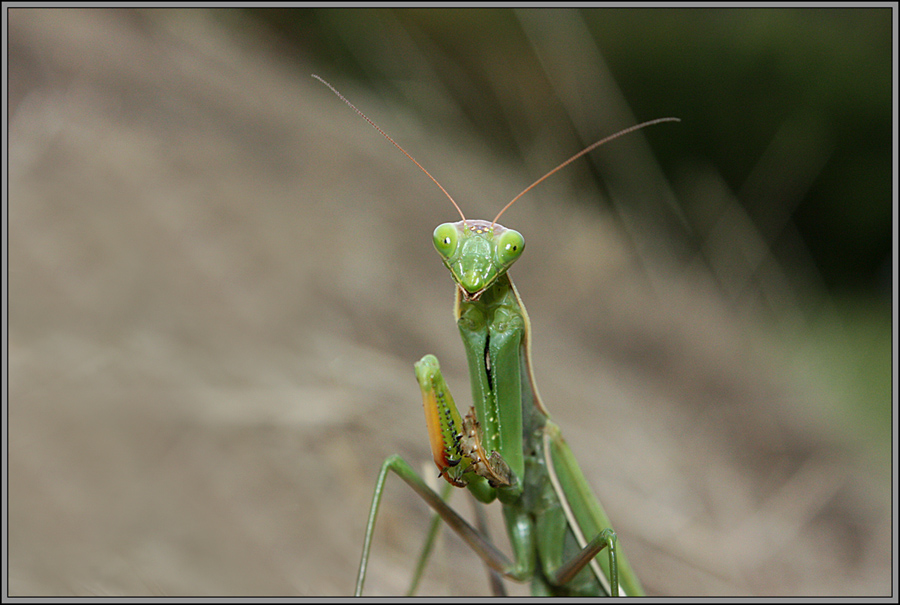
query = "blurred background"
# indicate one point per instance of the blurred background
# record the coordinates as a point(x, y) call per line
point(220, 277)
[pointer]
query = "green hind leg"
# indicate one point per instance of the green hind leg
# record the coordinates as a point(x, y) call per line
point(433, 529)
point(488, 553)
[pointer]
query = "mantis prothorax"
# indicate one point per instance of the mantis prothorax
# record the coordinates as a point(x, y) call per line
point(506, 448)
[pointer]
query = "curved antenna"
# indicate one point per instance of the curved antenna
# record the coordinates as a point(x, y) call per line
point(385, 135)
point(587, 149)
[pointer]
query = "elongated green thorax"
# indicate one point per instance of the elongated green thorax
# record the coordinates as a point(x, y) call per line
point(493, 327)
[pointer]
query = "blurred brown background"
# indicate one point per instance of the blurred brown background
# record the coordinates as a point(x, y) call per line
point(220, 277)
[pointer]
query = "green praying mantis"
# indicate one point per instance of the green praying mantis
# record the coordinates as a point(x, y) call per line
point(506, 447)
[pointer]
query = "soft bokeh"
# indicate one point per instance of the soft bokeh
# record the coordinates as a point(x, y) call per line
point(220, 277)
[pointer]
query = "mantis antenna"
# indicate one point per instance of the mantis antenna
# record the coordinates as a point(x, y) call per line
point(385, 135)
point(584, 151)
point(587, 149)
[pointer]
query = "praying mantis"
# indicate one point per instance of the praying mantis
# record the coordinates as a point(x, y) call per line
point(506, 447)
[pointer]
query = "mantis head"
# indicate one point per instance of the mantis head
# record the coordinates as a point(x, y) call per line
point(477, 253)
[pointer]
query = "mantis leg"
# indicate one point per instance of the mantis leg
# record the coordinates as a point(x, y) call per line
point(562, 557)
point(494, 578)
point(492, 557)
point(587, 519)
point(606, 538)
point(433, 529)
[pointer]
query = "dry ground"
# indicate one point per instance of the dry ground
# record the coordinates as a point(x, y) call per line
point(219, 280)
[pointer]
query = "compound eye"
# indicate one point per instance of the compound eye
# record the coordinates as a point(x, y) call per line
point(446, 239)
point(509, 247)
